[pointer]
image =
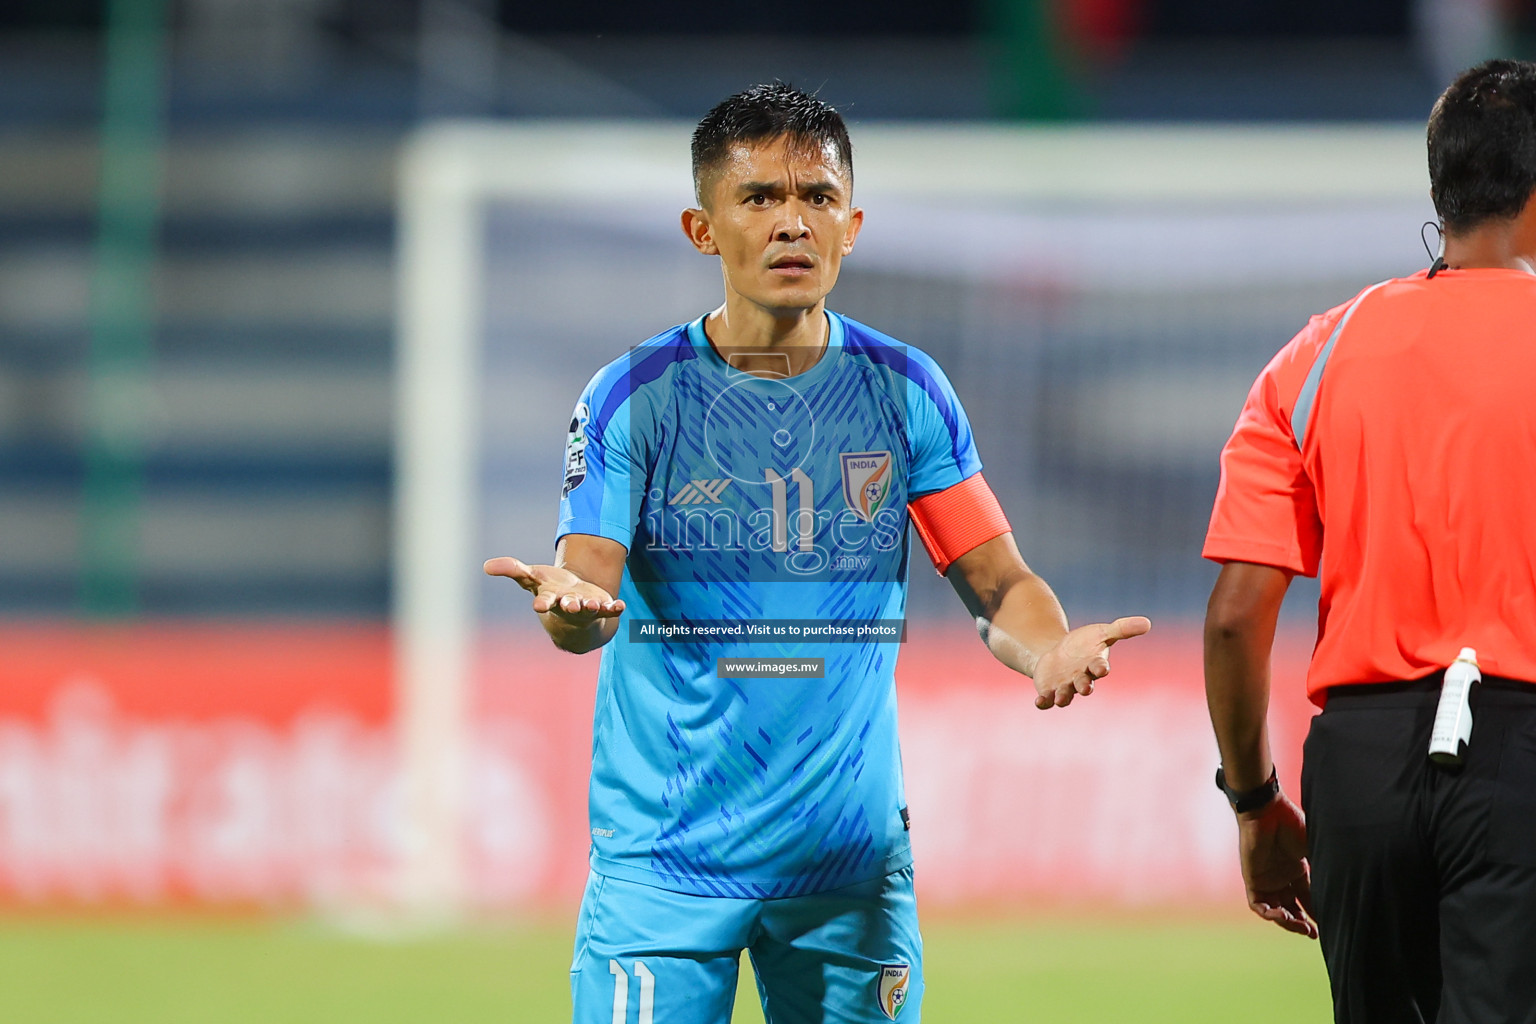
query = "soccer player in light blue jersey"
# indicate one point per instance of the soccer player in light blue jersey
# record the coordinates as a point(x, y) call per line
point(733, 535)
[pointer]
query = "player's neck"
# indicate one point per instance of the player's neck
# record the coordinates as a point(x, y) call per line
point(1507, 245)
point(754, 340)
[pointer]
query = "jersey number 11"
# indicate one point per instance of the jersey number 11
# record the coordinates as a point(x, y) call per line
point(805, 516)
point(621, 993)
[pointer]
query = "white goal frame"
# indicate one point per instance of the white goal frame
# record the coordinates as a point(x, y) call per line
point(450, 171)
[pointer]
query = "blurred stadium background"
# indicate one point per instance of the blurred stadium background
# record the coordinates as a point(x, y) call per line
point(295, 297)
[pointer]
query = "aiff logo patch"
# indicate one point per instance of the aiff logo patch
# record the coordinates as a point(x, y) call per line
point(893, 988)
point(866, 482)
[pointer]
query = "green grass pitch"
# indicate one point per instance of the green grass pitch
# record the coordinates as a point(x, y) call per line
point(1064, 970)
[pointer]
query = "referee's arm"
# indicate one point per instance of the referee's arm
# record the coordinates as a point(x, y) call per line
point(1272, 840)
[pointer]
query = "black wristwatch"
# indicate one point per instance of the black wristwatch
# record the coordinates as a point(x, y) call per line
point(1250, 800)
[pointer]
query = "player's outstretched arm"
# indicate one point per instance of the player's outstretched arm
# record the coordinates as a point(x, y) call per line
point(574, 597)
point(1024, 627)
point(1272, 840)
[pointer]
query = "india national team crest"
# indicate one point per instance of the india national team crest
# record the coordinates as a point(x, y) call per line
point(866, 482)
point(893, 988)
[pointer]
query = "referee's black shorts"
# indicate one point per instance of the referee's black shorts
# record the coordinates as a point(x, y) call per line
point(1424, 878)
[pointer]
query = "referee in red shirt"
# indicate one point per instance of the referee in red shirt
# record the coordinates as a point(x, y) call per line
point(1390, 448)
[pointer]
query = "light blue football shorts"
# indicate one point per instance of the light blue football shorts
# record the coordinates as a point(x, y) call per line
point(649, 956)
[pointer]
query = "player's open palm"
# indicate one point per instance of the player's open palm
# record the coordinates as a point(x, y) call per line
point(1080, 659)
point(558, 590)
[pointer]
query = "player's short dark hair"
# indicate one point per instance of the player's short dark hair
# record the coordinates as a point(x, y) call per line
point(763, 112)
point(1482, 144)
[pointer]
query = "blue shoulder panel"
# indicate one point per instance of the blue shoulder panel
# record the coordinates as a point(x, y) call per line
point(601, 452)
point(943, 448)
point(646, 362)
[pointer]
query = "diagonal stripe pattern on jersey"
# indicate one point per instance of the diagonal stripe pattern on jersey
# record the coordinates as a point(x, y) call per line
point(733, 495)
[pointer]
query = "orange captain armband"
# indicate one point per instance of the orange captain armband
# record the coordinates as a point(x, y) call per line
point(957, 519)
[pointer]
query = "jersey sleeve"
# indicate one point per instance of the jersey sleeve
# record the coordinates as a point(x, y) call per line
point(943, 450)
point(601, 461)
point(1266, 508)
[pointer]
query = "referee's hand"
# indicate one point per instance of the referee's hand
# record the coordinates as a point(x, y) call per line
point(558, 591)
point(1272, 843)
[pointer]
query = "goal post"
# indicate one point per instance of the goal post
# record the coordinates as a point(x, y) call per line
point(448, 173)
point(529, 254)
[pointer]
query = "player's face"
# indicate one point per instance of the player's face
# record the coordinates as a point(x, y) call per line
point(781, 219)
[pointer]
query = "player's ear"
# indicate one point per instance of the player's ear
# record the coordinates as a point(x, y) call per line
point(855, 223)
point(696, 227)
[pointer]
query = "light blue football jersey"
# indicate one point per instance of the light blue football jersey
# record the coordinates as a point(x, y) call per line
point(751, 502)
